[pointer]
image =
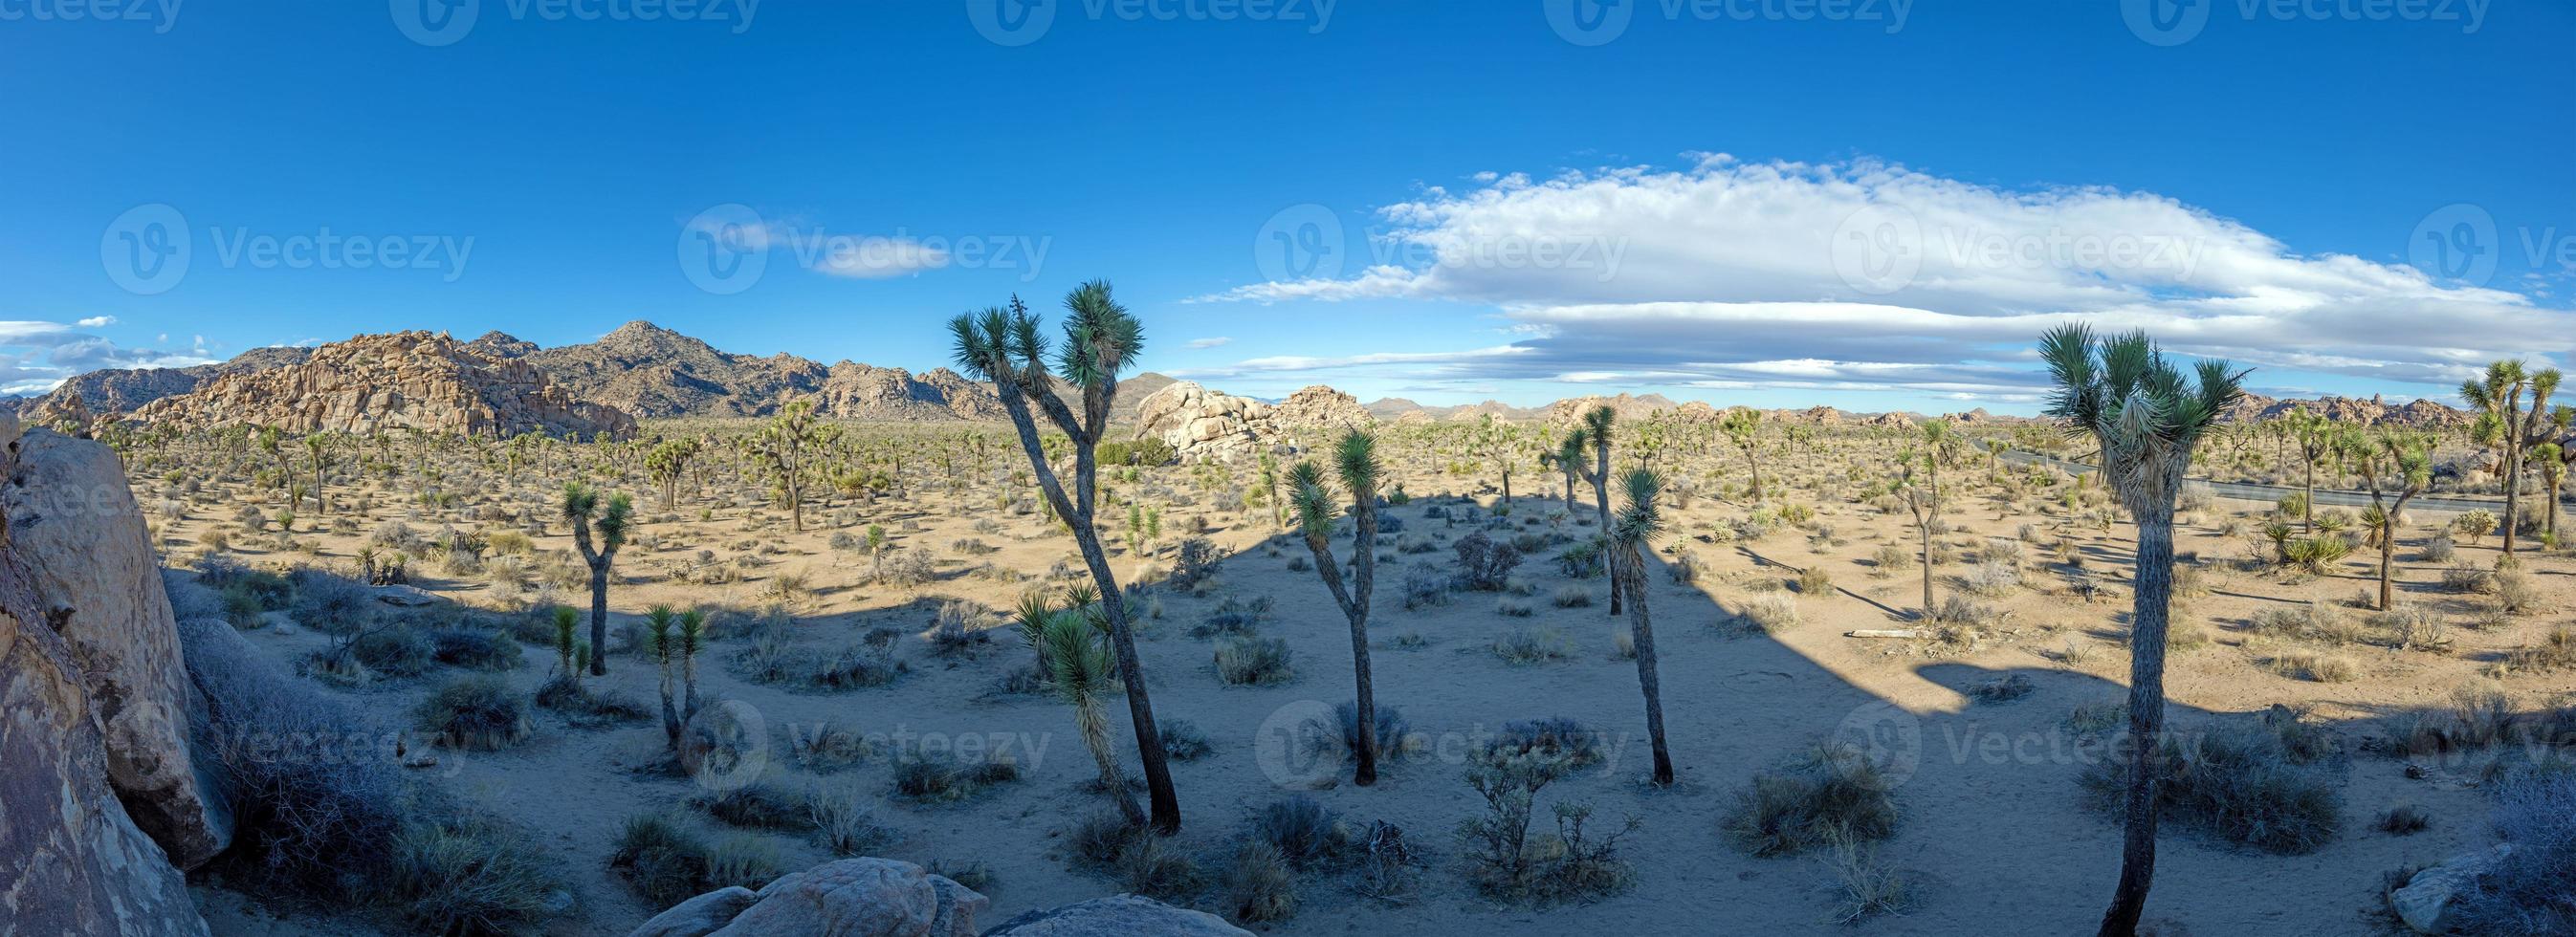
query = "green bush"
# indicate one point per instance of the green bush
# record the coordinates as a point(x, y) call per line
point(476, 713)
point(1149, 451)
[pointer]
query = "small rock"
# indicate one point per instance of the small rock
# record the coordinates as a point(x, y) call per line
point(2425, 903)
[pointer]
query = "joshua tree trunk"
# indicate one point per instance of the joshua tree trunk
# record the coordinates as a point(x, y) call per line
point(2387, 554)
point(1601, 500)
point(2512, 481)
point(2148, 611)
point(670, 712)
point(599, 617)
point(1642, 631)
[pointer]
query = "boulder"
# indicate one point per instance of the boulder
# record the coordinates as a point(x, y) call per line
point(72, 861)
point(699, 916)
point(846, 898)
point(74, 525)
point(1117, 916)
point(1203, 424)
point(2425, 903)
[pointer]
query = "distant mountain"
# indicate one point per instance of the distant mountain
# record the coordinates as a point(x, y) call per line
point(121, 390)
point(2421, 414)
point(1398, 408)
point(378, 383)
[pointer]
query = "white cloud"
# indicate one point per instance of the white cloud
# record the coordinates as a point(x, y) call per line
point(37, 356)
point(96, 322)
point(1197, 343)
point(1874, 276)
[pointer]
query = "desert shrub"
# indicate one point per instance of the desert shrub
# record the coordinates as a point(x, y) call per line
point(471, 876)
point(1099, 839)
point(328, 603)
point(905, 569)
point(1585, 559)
point(1866, 886)
point(1299, 828)
point(2526, 891)
point(931, 782)
point(744, 860)
point(2313, 621)
point(1838, 795)
point(2002, 689)
point(1259, 885)
point(1252, 661)
point(972, 874)
point(661, 858)
point(1533, 644)
point(586, 707)
point(2308, 665)
point(826, 749)
point(1194, 559)
point(2556, 651)
point(760, 805)
point(1485, 564)
point(2410, 626)
point(2241, 783)
point(1183, 740)
point(1153, 867)
point(841, 817)
point(473, 650)
point(1815, 581)
point(1561, 744)
point(1991, 580)
point(1771, 612)
point(310, 816)
point(1507, 861)
point(476, 713)
point(2514, 591)
point(2439, 549)
point(1148, 452)
point(396, 650)
point(1424, 588)
point(958, 629)
point(1234, 615)
point(1389, 724)
point(2464, 577)
point(1890, 559)
point(2404, 820)
point(1514, 608)
point(1572, 596)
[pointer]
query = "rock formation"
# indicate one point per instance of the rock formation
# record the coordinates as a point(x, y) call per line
point(121, 390)
point(1204, 424)
point(83, 691)
point(2421, 414)
point(1322, 407)
point(861, 392)
point(875, 897)
point(1628, 406)
point(1119, 916)
point(404, 380)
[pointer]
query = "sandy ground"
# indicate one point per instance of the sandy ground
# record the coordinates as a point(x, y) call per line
point(1997, 836)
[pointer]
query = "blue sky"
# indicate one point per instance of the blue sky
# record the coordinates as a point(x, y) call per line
point(1778, 202)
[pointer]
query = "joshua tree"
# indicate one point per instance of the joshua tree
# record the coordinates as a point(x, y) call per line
point(1596, 431)
point(2505, 422)
point(1100, 339)
point(665, 648)
point(2316, 437)
point(1500, 443)
point(1938, 443)
point(1569, 459)
point(1921, 502)
point(667, 463)
point(1270, 485)
point(1079, 662)
point(1355, 459)
point(787, 449)
point(1631, 534)
point(598, 531)
point(318, 448)
point(567, 638)
point(2399, 464)
point(2146, 416)
point(1744, 427)
point(2551, 459)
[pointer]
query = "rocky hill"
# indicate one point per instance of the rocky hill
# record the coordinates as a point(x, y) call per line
point(2421, 414)
point(1322, 407)
point(120, 390)
point(403, 380)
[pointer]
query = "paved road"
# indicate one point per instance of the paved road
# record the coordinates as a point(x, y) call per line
point(2271, 493)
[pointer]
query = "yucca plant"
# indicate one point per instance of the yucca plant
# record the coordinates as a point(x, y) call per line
point(1080, 664)
point(1355, 460)
point(664, 647)
point(1631, 534)
point(2147, 416)
point(693, 638)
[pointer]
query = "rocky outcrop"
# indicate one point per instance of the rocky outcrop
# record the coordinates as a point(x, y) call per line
point(1322, 407)
point(2421, 414)
point(497, 345)
point(1627, 406)
point(72, 860)
point(1118, 916)
point(121, 390)
point(403, 380)
point(1204, 424)
point(862, 392)
point(852, 897)
point(79, 534)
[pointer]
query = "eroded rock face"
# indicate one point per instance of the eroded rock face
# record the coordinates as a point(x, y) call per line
point(1204, 424)
point(404, 380)
point(1118, 916)
point(862, 392)
point(77, 532)
point(71, 859)
point(848, 898)
point(1322, 407)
